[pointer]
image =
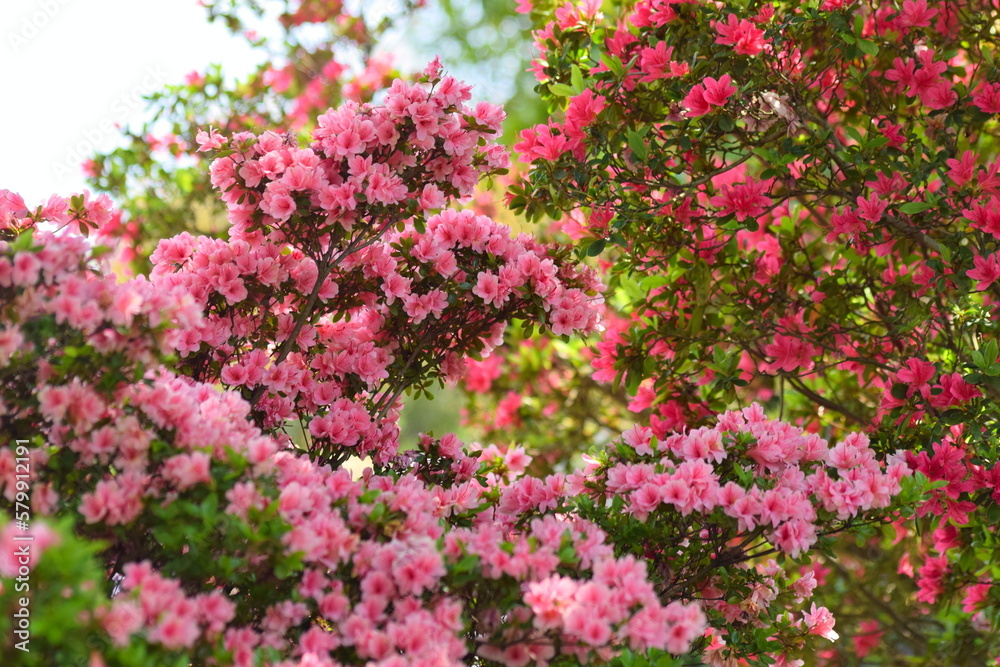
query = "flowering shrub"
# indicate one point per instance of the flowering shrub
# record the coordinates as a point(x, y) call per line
point(370, 300)
point(792, 207)
point(796, 201)
point(219, 542)
point(153, 413)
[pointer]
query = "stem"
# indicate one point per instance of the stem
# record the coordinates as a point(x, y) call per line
point(827, 403)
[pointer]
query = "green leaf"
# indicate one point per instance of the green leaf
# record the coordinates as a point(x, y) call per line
point(100, 251)
point(696, 320)
point(568, 555)
point(23, 241)
point(667, 660)
point(561, 90)
point(613, 63)
point(652, 282)
point(596, 248)
point(638, 145)
point(991, 351)
point(912, 207)
point(467, 563)
point(870, 48)
point(576, 78)
point(953, 416)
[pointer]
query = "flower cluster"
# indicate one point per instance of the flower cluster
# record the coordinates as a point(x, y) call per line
point(370, 163)
point(223, 542)
point(798, 480)
point(337, 256)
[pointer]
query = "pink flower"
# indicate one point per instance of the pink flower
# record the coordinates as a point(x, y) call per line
point(11, 561)
point(176, 630)
point(488, 289)
point(930, 576)
point(114, 501)
point(645, 500)
point(695, 102)
point(431, 197)
point(790, 354)
point(545, 142)
point(209, 140)
point(26, 269)
point(987, 271)
point(867, 637)
point(12, 208)
point(417, 569)
point(917, 373)
point(820, 621)
point(804, 585)
point(278, 203)
point(743, 199)
point(975, 596)
point(891, 132)
point(915, 14)
point(956, 390)
point(582, 111)
point(124, 619)
point(186, 470)
point(685, 623)
point(718, 91)
point(871, 209)
point(987, 98)
point(703, 96)
point(395, 286)
point(902, 73)
point(655, 62)
point(744, 36)
point(794, 537)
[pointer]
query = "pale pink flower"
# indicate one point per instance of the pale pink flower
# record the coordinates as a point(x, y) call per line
point(820, 621)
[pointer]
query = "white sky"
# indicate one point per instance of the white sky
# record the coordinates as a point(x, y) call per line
point(70, 69)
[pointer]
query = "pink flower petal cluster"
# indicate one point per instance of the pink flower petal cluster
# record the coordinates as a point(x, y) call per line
point(741, 34)
point(710, 92)
point(744, 200)
point(686, 475)
point(655, 63)
point(986, 271)
point(922, 78)
point(357, 156)
point(987, 98)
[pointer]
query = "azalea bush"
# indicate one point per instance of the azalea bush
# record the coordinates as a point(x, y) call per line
point(746, 415)
point(153, 413)
point(797, 203)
